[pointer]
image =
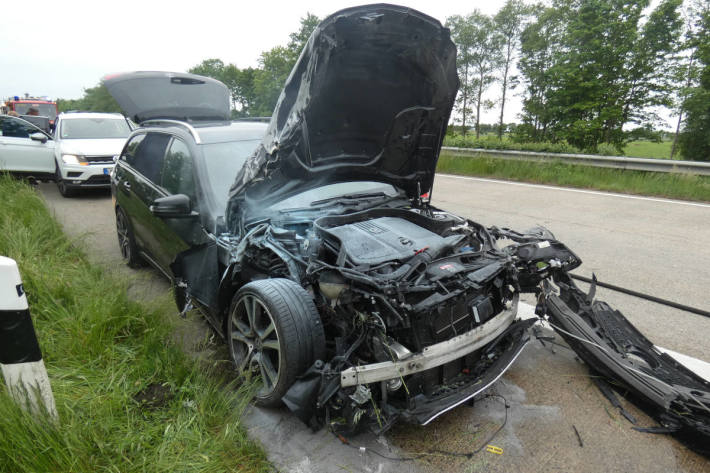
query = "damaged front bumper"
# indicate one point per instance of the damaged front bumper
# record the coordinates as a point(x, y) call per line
point(503, 352)
point(433, 355)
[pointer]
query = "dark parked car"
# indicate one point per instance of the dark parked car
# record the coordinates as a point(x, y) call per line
point(312, 246)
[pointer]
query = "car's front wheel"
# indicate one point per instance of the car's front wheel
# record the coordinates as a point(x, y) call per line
point(62, 185)
point(274, 331)
point(126, 240)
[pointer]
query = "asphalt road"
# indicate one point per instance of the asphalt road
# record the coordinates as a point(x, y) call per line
point(650, 245)
point(655, 246)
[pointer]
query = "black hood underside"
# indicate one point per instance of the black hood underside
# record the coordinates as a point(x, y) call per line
point(368, 99)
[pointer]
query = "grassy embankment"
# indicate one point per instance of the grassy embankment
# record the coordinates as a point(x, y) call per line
point(102, 350)
point(650, 149)
point(677, 186)
point(639, 149)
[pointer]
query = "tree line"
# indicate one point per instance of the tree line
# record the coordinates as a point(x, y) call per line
point(593, 72)
point(590, 72)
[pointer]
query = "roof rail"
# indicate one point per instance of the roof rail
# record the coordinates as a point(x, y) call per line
point(187, 126)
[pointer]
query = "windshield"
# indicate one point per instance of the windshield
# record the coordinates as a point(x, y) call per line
point(355, 190)
point(44, 109)
point(223, 162)
point(88, 128)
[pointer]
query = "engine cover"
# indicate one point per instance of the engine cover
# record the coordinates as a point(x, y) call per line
point(383, 239)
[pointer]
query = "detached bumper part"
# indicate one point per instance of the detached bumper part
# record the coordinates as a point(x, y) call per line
point(609, 344)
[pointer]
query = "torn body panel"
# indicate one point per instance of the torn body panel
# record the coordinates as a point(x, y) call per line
point(609, 344)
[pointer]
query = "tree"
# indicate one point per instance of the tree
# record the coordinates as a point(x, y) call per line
point(254, 91)
point(694, 141)
point(276, 64)
point(209, 67)
point(687, 71)
point(541, 48)
point(274, 68)
point(598, 41)
point(509, 25)
point(477, 43)
point(648, 79)
point(95, 99)
point(462, 35)
point(484, 58)
point(601, 68)
point(298, 39)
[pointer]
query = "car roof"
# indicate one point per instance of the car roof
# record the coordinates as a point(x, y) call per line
point(75, 115)
point(210, 132)
point(231, 131)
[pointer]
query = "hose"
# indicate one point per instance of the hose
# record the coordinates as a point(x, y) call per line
point(641, 295)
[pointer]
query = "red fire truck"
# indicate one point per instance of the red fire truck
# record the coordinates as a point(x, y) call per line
point(44, 107)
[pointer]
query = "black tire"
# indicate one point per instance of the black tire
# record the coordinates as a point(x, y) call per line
point(285, 329)
point(126, 240)
point(62, 186)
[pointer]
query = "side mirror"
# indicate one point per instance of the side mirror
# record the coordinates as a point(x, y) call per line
point(37, 136)
point(173, 206)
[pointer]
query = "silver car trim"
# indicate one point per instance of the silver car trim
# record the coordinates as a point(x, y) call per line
point(189, 127)
point(433, 355)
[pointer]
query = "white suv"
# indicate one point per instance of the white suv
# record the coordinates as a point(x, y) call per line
point(86, 143)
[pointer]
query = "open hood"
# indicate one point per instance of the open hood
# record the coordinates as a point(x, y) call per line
point(169, 95)
point(368, 99)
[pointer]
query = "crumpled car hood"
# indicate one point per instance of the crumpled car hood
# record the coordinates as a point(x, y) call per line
point(368, 99)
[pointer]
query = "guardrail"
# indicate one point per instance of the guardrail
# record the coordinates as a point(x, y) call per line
point(616, 162)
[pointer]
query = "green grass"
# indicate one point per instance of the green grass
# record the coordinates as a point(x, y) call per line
point(101, 349)
point(650, 149)
point(677, 186)
point(639, 149)
point(491, 141)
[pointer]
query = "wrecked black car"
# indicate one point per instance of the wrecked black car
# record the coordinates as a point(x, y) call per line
point(325, 266)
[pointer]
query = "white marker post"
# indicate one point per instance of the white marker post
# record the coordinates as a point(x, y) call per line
point(20, 356)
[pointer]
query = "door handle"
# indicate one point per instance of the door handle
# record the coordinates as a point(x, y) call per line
point(127, 185)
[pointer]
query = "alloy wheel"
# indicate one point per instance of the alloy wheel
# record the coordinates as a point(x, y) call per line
point(254, 342)
point(124, 241)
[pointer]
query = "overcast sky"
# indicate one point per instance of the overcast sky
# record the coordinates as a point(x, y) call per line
point(58, 48)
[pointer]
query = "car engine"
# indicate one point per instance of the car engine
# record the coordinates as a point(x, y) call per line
point(418, 307)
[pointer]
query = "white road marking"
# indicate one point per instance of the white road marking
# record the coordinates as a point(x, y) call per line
point(699, 367)
point(580, 191)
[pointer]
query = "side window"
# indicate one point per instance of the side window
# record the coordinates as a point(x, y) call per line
point(15, 128)
point(129, 151)
point(149, 155)
point(177, 170)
